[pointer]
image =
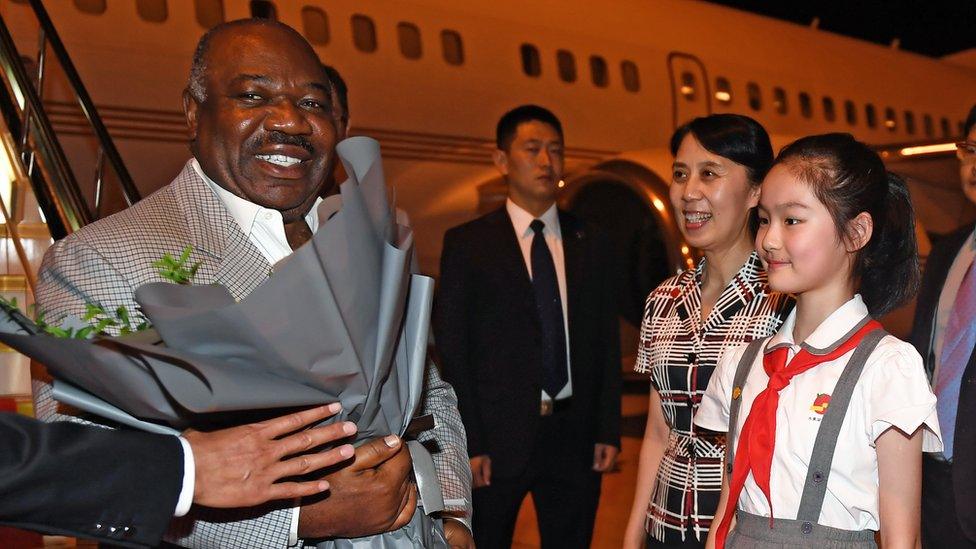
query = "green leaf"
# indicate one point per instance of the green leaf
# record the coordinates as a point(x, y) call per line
point(123, 315)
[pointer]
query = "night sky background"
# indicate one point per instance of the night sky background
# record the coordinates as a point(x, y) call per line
point(932, 28)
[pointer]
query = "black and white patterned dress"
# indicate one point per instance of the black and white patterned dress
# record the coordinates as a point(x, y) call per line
point(679, 350)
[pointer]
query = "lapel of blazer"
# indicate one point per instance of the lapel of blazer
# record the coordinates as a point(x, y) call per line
point(510, 259)
point(573, 237)
point(234, 261)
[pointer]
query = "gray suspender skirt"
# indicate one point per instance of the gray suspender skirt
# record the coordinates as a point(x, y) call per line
point(753, 531)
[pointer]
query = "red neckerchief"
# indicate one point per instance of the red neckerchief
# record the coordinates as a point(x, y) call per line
point(754, 451)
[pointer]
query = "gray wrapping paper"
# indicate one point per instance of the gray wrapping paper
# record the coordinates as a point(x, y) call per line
point(344, 318)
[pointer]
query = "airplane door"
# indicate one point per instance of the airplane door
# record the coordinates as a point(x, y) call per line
point(690, 90)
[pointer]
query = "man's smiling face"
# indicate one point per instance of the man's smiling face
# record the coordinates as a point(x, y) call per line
point(265, 130)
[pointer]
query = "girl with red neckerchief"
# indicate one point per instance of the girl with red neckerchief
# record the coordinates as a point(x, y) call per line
point(828, 418)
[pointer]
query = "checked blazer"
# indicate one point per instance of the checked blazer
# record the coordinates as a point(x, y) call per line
point(104, 263)
point(679, 351)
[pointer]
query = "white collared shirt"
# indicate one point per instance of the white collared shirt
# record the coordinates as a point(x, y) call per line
point(947, 298)
point(264, 227)
point(521, 220)
point(891, 392)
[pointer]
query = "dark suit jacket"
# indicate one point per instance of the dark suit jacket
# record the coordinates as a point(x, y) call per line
point(488, 334)
point(68, 479)
point(964, 452)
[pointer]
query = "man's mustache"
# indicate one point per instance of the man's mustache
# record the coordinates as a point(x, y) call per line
point(282, 138)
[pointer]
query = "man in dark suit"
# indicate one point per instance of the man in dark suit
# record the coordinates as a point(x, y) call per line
point(124, 487)
point(944, 333)
point(526, 328)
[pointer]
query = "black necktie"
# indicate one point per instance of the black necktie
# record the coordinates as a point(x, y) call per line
point(546, 285)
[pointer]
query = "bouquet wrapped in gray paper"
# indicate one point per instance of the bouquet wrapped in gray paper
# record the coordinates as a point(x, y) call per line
point(344, 318)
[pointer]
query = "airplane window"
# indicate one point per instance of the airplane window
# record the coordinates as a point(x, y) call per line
point(452, 46)
point(153, 11)
point(209, 12)
point(628, 70)
point(264, 9)
point(755, 96)
point(409, 36)
point(850, 112)
point(566, 64)
point(806, 108)
point(531, 64)
point(828, 106)
point(779, 100)
point(599, 72)
point(869, 116)
point(723, 90)
point(946, 129)
point(315, 25)
point(363, 33)
point(929, 126)
point(910, 122)
point(890, 121)
point(94, 7)
point(688, 85)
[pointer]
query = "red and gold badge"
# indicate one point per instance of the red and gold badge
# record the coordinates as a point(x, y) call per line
point(820, 403)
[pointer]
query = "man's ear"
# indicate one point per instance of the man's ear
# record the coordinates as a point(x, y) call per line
point(859, 231)
point(500, 158)
point(190, 111)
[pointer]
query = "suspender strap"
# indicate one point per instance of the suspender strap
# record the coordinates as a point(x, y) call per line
point(815, 487)
point(741, 372)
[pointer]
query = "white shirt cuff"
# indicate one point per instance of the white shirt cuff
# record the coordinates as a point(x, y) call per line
point(293, 531)
point(189, 480)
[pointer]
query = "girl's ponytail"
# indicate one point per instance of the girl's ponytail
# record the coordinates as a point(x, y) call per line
point(890, 274)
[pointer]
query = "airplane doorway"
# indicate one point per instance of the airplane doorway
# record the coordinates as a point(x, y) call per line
point(690, 90)
point(640, 251)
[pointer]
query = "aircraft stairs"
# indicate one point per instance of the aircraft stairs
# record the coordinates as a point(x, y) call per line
point(43, 195)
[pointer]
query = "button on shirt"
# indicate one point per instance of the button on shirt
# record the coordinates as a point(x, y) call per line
point(891, 392)
point(264, 227)
point(521, 220)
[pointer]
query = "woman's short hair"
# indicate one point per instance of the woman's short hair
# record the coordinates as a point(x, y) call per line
point(734, 136)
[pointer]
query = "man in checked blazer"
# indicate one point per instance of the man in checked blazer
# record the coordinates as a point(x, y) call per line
point(526, 327)
point(258, 107)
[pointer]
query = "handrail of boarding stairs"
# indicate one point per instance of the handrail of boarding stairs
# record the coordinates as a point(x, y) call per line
point(52, 178)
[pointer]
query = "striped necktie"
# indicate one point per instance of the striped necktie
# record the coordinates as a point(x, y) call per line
point(957, 346)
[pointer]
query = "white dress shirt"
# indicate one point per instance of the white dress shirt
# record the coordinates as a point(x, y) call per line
point(891, 392)
point(265, 228)
point(521, 220)
point(947, 298)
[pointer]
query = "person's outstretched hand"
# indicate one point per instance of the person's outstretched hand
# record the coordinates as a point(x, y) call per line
point(242, 466)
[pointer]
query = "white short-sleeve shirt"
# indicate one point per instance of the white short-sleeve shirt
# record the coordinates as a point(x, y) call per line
point(892, 391)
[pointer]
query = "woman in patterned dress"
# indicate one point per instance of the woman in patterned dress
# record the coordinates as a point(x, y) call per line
point(692, 318)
